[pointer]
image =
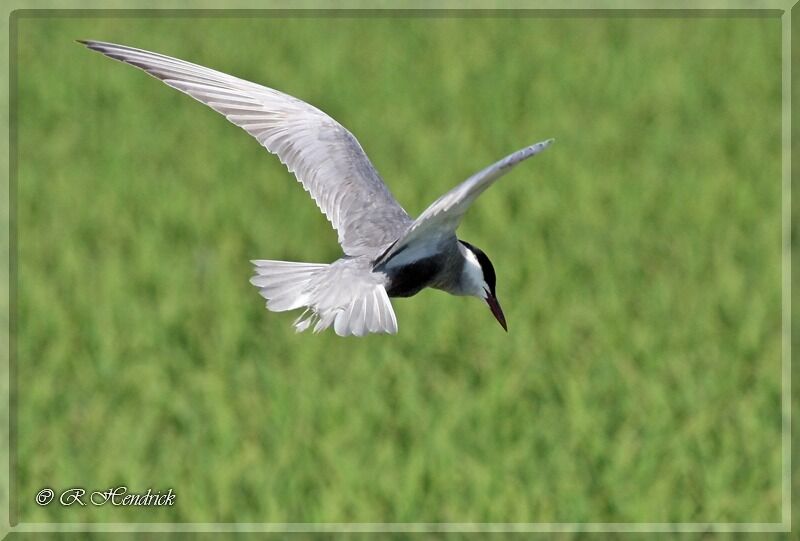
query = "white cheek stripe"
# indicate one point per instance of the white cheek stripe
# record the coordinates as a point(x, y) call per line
point(474, 275)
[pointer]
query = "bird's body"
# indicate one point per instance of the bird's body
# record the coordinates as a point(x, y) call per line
point(386, 252)
point(437, 271)
point(437, 268)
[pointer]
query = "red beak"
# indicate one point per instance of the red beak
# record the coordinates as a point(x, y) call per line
point(497, 312)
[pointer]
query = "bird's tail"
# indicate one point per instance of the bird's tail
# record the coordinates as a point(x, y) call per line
point(284, 283)
point(334, 294)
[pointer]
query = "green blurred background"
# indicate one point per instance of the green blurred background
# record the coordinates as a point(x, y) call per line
point(638, 264)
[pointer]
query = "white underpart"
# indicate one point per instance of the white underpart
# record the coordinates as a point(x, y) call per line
point(474, 283)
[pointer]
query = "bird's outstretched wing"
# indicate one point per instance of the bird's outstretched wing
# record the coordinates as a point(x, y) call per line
point(441, 219)
point(323, 155)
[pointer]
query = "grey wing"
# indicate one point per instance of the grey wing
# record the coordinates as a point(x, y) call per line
point(441, 219)
point(323, 155)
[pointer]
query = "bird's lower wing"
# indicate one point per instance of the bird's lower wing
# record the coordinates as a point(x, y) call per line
point(322, 154)
point(441, 219)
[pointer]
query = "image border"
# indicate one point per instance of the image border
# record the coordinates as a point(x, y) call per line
point(8, 275)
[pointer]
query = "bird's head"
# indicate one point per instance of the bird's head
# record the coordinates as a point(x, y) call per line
point(478, 280)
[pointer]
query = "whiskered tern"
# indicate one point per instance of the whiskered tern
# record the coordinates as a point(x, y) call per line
point(386, 252)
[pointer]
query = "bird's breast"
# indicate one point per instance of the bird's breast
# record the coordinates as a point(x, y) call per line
point(409, 279)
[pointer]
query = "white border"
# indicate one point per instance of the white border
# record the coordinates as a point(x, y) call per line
point(786, 405)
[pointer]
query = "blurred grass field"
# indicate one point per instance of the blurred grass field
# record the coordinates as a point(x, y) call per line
point(638, 264)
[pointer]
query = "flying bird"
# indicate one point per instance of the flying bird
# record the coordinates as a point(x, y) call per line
point(386, 252)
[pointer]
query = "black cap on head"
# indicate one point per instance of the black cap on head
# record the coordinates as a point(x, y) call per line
point(490, 278)
point(486, 266)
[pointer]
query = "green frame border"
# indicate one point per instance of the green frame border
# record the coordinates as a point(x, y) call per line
point(788, 12)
